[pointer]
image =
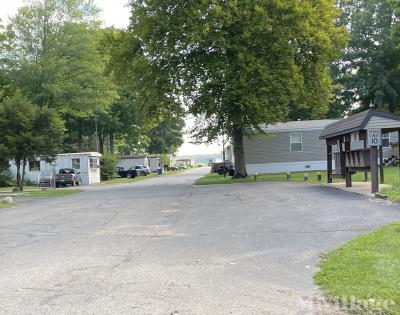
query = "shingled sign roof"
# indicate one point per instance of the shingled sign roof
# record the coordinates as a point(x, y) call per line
point(354, 123)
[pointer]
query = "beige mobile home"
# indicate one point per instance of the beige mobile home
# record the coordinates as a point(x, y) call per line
point(287, 147)
point(295, 147)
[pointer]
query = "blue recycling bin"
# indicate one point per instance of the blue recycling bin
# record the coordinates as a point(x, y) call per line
point(159, 171)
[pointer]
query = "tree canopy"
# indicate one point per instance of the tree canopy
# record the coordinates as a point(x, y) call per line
point(58, 56)
point(369, 72)
point(237, 65)
point(28, 133)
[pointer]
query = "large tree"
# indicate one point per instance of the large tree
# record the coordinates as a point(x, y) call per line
point(52, 56)
point(27, 133)
point(238, 65)
point(146, 96)
point(369, 72)
point(6, 86)
point(167, 136)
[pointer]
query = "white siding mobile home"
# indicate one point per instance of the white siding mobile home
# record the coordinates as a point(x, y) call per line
point(295, 146)
point(132, 160)
point(86, 163)
point(287, 147)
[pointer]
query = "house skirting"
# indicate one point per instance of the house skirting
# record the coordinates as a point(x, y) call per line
point(275, 168)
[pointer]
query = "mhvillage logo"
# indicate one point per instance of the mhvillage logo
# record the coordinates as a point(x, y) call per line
point(318, 305)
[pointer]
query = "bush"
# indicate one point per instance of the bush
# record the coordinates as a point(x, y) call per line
point(6, 179)
point(108, 165)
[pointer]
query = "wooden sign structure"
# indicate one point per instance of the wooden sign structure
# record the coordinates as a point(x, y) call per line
point(364, 132)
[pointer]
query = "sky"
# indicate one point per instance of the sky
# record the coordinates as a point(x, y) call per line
point(115, 13)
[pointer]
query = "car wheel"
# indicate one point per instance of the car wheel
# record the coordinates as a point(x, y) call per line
point(57, 185)
point(128, 176)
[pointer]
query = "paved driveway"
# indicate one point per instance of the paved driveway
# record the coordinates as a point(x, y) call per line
point(165, 246)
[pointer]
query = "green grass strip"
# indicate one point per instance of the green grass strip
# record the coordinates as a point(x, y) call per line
point(364, 274)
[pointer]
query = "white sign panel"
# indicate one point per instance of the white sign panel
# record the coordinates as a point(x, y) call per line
point(374, 137)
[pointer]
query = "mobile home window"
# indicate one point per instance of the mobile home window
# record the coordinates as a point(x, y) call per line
point(94, 163)
point(296, 142)
point(34, 166)
point(76, 163)
point(386, 140)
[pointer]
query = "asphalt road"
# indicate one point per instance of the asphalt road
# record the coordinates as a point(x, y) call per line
point(165, 246)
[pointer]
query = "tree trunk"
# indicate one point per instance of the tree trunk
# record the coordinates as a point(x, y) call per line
point(18, 165)
point(240, 164)
point(92, 143)
point(111, 142)
point(21, 187)
point(101, 140)
point(80, 136)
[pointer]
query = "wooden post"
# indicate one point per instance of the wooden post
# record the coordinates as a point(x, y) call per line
point(329, 159)
point(374, 170)
point(347, 148)
point(366, 171)
point(381, 165)
point(398, 142)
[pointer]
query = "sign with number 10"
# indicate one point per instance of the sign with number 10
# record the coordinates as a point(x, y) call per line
point(374, 137)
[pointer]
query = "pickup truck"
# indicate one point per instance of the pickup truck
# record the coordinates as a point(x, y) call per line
point(68, 176)
point(131, 173)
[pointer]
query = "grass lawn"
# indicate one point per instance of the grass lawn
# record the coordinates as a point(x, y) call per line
point(6, 205)
point(365, 270)
point(119, 180)
point(393, 192)
point(46, 193)
point(29, 188)
point(391, 177)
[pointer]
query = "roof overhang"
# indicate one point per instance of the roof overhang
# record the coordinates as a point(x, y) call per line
point(357, 123)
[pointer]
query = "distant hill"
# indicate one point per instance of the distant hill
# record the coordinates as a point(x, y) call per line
point(202, 158)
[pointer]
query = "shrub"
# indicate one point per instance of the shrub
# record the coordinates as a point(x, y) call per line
point(6, 178)
point(108, 165)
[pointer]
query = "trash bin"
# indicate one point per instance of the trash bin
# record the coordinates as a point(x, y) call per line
point(159, 171)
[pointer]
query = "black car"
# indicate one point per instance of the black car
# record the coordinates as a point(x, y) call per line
point(171, 168)
point(131, 173)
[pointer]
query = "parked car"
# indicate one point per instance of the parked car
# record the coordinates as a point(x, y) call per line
point(68, 176)
point(216, 166)
point(142, 170)
point(130, 173)
point(172, 168)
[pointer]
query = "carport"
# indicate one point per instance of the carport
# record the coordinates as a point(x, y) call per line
point(358, 143)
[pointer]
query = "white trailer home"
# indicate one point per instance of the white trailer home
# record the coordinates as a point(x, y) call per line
point(129, 161)
point(86, 163)
point(155, 162)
